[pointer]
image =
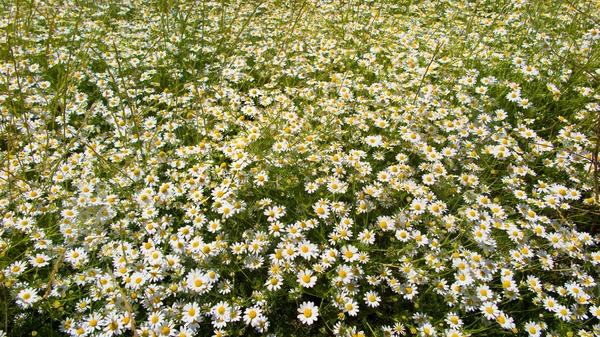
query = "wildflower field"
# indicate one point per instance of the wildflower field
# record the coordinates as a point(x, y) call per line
point(299, 168)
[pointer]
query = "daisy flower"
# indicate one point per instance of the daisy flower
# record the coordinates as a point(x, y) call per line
point(261, 178)
point(252, 314)
point(349, 253)
point(274, 212)
point(306, 278)
point(321, 209)
point(484, 292)
point(137, 280)
point(533, 329)
point(198, 281)
point(427, 330)
point(69, 213)
point(344, 274)
point(156, 319)
point(27, 297)
point(367, 237)
point(191, 313)
point(308, 250)
point(595, 311)
point(274, 283)
point(372, 299)
point(418, 206)
point(17, 268)
point(386, 223)
point(454, 320)
point(489, 310)
point(308, 313)
point(402, 235)
point(505, 322)
point(221, 311)
point(40, 260)
point(311, 187)
point(563, 313)
point(351, 307)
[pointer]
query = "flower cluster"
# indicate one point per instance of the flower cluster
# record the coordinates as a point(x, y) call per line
point(227, 168)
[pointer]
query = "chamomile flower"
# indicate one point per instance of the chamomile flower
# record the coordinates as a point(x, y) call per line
point(308, 250)
point(403, 235)
point(226, 210)
point(453, 320)
point(563, 313)
point(39, 260)
point(198, 281)
point(349, 253)
point(16, 268)
point(595, 311)
point(274, 213)
point(350, 307)
point(505, 321)
point(69, 213)
point(306, 279)
point(367, 237)
point(372, 299)
point(427, 329)
point(190, 313)
point(321, 209)
point(336, 186)
point(484, 292)
point(311, 187)
point(386, 223)
point(221, 310)
point(27, 297)
point(252, 314)
point(533, 329)
point(308, 313)
point(344, 274)
point(274, 283)
point(261, 178)
point(418, 206)
point(373, 140)
point(489, 310)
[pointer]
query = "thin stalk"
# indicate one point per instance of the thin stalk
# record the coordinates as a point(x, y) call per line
point(435, 52)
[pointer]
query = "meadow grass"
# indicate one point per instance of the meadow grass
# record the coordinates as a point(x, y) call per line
point(299, 168)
